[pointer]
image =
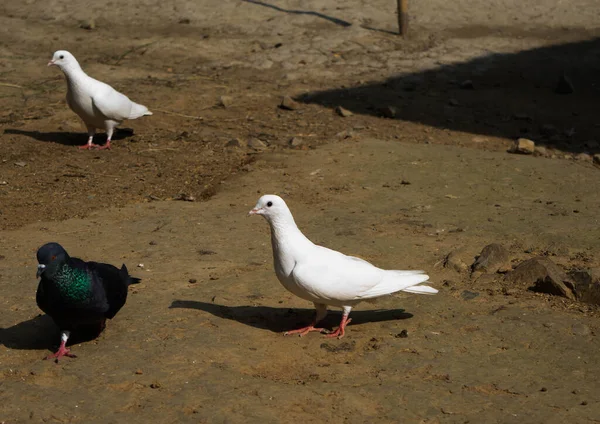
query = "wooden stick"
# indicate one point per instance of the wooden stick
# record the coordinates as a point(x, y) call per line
point(402, 17)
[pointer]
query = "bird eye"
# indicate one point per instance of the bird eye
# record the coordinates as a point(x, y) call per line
point(52, 258)
point(61, 57)
point(269, 204)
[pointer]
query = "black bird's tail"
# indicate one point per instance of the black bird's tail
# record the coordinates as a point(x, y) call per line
point(130, 280)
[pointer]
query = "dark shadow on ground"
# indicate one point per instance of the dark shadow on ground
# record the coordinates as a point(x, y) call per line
point(41, 333)
point(70, 138)
point(503, 95)
point(301, 12)
point(281, 319)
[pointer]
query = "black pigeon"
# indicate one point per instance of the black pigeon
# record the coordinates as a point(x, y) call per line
point(78, 295)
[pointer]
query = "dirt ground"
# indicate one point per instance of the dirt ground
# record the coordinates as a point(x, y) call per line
point(418, 170)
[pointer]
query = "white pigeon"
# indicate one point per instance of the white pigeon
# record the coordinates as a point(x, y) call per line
point(324, 276)
point(97, 104)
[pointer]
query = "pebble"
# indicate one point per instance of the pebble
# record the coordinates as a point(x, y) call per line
point(88, 24)
point(225, 101)
point(388, 111)
point(524, 146)
point(596, 159)
point(344, 113)
point(234, 142)
point(184, 21)
point(257, 144)
point(583, 157)
point(541, 150)
point(21, 164)
point(544, 274)
point(467, 85)
point(493, 258)
point(402, 335)
point(295, 142)
point(192, 281)
point(455, 262)
point(287, 103)
point(580, 329)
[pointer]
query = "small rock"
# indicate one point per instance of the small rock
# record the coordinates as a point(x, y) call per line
point(287, 103)
point(295, 142)
point(596, 159)
point(153, 243)
point(493, 258)
point(344, 113)
point(541, 151)
point(139, 371)
point(342, 347)
point(234, 142)
point(257, 144)
point(543, 389)
point(225, 101)
point(402, 335)
point(185, 197)
point(345, 134)
point(455, 262)
point(580, 329)
point(21, 164)
point(542, 275)
point(564, 85)
point(192, 281)
point(388, 111)
point(584, 157)
point(469, 295)
point(524, 146)
point(155, 385)
point(184, 21)
point(88, 24)
point(587, 285)
point(467, 85)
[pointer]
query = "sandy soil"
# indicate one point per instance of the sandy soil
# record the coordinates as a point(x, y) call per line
point(200, 338)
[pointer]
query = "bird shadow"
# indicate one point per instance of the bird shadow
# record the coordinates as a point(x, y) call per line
point(278, 320)
point(302, 12)
point(69, 138)
point(40, 333)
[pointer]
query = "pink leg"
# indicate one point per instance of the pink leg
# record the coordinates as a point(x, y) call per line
point(321, 312)
point(106, 146)
point(305, 330)
point(62, 350)
point(89, 144)
point(339, 333)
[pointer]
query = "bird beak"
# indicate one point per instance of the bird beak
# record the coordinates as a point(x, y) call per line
point(51, 63)
point(253, 211)
point(40, 270)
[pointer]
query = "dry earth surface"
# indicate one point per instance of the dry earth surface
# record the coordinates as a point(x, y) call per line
point(418, 169)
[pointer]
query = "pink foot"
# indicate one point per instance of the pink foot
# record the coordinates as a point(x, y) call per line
point(305, 330)
point(88, 146)
point(339, 333)
point(62, 351)
point(105, 147)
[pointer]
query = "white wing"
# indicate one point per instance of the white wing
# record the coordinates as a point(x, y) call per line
point(110, 103)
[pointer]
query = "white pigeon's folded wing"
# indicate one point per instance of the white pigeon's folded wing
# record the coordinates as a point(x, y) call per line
point(112, 104)
point(336, 277)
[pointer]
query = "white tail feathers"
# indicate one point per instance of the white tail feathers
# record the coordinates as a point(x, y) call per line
point(395, 281)
point(138, 110)
point(420, 290)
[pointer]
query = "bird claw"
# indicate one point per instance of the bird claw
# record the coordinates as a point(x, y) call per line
point(62, 351)
point(305, 330)
point(89, 146)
